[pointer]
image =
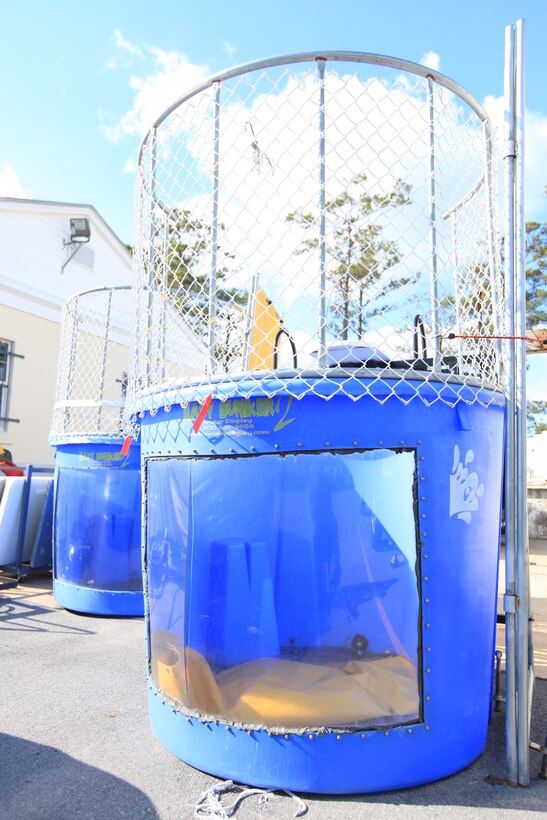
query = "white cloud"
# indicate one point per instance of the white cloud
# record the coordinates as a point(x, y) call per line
point(534, 160)
point(127, 52)
point(170, 75)
point(228, 49)
point(536, 378)
point(130, 166)
point(536, 169)
point(431, 59)
point(126, 45)
point(11, 185)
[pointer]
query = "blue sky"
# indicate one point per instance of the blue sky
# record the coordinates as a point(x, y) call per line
point(69, 72)
point(80, 80)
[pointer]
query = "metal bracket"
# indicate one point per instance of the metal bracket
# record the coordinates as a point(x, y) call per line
point(511, 604)
point(510, 149)
point(76, 247)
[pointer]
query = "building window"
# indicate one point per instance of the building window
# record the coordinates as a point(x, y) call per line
point(5, 382)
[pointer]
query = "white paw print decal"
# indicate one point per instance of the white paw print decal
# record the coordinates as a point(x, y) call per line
point(465, 489)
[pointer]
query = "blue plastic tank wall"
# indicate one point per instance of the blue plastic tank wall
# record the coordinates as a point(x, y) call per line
point(97, 528)
point(292, 546)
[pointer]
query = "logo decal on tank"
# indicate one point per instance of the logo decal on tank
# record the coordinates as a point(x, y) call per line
point(465, 488)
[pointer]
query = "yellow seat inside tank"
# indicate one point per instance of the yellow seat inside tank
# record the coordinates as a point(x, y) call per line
point(278, 692)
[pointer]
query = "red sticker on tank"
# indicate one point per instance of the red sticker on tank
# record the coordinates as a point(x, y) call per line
point(202, 413)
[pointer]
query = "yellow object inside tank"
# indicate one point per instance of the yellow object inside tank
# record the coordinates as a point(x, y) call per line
point(278, 692)
point(266, 325)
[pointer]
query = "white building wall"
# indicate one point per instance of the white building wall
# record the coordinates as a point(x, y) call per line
point(33, 385)
point(32, 255)
point(537, 457)
point(33, 289)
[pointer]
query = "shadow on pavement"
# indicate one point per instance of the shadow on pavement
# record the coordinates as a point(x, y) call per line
point(18, 615)
point(40, 783)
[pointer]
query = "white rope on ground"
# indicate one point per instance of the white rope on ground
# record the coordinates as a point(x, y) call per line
point(209, 803)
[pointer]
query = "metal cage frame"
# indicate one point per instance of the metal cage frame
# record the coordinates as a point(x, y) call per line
point(150, 201)
point(82, 411)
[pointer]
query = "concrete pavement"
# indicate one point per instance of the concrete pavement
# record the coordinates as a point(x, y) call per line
point(76, 744)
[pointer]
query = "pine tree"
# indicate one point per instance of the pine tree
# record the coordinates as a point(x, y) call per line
point(359, 254)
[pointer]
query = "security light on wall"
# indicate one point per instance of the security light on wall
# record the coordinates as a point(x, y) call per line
point(79, 230)
point(80, 233)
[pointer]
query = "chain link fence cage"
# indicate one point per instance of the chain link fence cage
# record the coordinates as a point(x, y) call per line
point(93, 365)
point(327, 217)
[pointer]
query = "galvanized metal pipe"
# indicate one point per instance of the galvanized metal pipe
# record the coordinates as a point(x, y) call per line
point(98, 290)
point(522, 571)
point(151, 257)
point(322, 221)
point(214, 234)
point(492, 255)
point(433, 229)
point(249, 320)
point(103, 357)
point(164, 296)
point(72, 358)
point(510, 601)
point(457, 295)
point(365, 58)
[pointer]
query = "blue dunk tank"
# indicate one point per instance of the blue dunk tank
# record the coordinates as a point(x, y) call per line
point(322, 441)
point(97, 565)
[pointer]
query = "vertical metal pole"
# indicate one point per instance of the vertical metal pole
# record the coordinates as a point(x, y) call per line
point(522, 576)
point(135, 369)
point(510, 600)
point(164, 300)
point(103, 358)
point(433, 229)
point(214, 234)
point(151, 257)
point(249, 320)
point(456, 262)
point(322, 221)
point(74, 325)
point(492, 256)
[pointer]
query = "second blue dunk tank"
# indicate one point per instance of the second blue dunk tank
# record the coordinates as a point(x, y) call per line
point(97, 554)
point(322, 580)
point(96, 537)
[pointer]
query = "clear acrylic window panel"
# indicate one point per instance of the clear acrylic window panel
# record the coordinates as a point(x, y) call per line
point(97, 522)
point(283, 589)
